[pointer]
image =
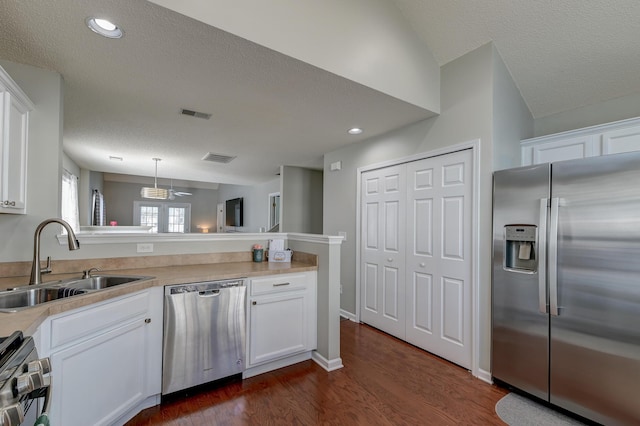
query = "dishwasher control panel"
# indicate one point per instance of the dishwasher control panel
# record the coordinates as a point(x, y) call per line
point(204, 287)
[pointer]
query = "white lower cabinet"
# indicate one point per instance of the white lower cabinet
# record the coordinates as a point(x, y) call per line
point(106, 360)
point(282, 321)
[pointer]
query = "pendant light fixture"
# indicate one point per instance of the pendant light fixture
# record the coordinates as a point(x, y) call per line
point(154, 193)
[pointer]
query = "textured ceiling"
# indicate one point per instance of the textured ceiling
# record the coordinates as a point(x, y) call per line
point(563, 54)
point(123, 97)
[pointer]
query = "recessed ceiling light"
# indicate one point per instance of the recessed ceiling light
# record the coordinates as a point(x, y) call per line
point(104, 28)
point(355, 131)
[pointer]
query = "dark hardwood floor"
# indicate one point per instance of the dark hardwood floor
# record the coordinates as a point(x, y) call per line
point(384, 382)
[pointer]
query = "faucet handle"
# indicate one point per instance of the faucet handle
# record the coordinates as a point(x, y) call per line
point(87, 273)
point(47, 269)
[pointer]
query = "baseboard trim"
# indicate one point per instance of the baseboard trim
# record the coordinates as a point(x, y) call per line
point(485, 376)
point(149, 402)
point(348, 315)
point(327, 364)
point(274, 365)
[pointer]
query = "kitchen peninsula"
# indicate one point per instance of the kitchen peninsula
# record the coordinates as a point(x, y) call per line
point(63, 327)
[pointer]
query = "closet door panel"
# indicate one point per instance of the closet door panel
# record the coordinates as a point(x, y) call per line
point(383, 249)
point(448, 231)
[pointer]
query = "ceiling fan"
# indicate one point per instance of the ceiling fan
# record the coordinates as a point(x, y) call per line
point(173, 193)
point(156, 193)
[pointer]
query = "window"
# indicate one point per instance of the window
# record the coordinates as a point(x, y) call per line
point(69, 205)
point(149, 217)
point(162, 217)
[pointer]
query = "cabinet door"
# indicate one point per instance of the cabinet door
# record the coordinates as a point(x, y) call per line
point(278, 327)
point(13, 168)
point(618, 141)
point(96, 381)
point(560, 150)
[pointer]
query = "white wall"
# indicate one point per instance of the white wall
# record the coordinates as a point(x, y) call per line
point(366, 41)
point(328, 290)
point(44, 166)
point(69, 165)
point(591, 115)
point(255, 203)
point(301, 199)
point(512, 120)
point(467, 114)
point(120, 196)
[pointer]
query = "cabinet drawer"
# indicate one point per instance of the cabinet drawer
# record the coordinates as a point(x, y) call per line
point(97, 319)
point(278, 283)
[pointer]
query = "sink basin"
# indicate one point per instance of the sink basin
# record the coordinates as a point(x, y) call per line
point(12, 301)
point(99, 282)
point(28, 296)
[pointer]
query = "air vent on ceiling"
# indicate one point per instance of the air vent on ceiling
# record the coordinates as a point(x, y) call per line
point(195, 114)
point(217, 158)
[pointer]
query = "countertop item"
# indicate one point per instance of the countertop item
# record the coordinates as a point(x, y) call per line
point(28, 320)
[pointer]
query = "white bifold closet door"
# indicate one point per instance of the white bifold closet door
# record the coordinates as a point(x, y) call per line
point(416, 253)
point(383, 249)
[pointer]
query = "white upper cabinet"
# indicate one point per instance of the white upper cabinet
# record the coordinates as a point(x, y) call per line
point(621, 140)
point(611, 138)
point(14, 134)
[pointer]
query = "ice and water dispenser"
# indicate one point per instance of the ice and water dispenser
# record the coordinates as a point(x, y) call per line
point(520, 248)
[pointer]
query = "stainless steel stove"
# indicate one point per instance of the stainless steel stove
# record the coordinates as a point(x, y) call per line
point(24, 378)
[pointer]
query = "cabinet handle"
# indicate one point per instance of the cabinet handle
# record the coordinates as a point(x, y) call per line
point(148, 320)
point(281, 284)
point(422, 264)
point(254, 303)
point(10, 203)
point(390, 259)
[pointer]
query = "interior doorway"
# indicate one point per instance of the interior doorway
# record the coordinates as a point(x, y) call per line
point(220, 217)
point(274, 212)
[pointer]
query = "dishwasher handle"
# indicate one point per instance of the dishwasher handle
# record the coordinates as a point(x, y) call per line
point(206, 288)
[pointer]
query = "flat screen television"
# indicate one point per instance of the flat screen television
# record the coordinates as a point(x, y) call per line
point(234, 212)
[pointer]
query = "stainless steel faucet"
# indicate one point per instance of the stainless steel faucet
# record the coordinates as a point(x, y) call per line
point(87, 273)
point(36, 270)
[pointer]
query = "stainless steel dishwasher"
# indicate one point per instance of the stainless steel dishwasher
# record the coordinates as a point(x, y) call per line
point(204, 333)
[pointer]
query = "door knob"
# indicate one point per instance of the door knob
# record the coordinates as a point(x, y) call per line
point(390, 259)
point(422, 264)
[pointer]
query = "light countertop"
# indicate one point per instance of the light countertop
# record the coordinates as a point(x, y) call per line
point(28, 320)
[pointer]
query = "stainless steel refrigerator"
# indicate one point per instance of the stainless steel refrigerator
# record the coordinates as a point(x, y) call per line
point(566, 284)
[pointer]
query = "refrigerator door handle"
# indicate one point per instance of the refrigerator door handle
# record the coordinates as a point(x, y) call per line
point(542, 257)
point(553, 258)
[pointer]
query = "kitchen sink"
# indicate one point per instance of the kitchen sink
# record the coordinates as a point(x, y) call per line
point(24, 297)
point(99, 282)
point(11, 301)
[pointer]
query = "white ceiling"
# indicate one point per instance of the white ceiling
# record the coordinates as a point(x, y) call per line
point(562, 54)
point(122, 97)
